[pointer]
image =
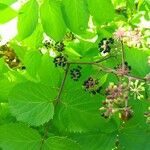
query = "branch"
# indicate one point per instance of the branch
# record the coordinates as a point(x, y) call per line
point(62, 84)
point(123, 57)
point(91, 63)
point(110, 70)
point(57, 101)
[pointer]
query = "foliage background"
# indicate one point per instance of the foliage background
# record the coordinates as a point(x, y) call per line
point(30, 117)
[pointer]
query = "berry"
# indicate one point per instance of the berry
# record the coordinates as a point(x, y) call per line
point(69, 36)
point(75, 73)
point(59, 46)
point(104, 45)
point(60, 61)
point(92, 85)
point(116, 91)
point(47, 44)
point(126, 114)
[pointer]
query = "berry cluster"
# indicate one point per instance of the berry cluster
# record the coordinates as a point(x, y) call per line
point(59, 46)
point(104, 45)
point(113, 92)
point(60, 60)
point(116, 97)
point(47, 44)
point(75, 73)
point(69, 36)
point(92, 85)
point(123, 71)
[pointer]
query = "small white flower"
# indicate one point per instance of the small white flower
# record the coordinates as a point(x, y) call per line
point(136, 88)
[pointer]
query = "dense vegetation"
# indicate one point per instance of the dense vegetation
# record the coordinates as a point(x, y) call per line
point(76, 76)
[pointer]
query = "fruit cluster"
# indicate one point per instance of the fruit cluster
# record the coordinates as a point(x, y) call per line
point(75, 73)
point(104, 45)
point(92, 85)
point(116, 97)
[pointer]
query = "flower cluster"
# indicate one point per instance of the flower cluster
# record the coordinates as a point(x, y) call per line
point(104, 45)
point(132, 37)
point(136, 88)
point(75, 73)
point(92, 85)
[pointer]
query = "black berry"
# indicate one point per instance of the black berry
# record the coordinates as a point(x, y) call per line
point(104, 45)
point(75, 73)
point(59, 46)
point(92, 85)
point(60, 61)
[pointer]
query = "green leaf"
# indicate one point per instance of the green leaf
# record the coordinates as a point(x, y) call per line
point(5, 87)
point(76, 15)
point(27, 19)
point(34, 58)
point(48, 73)
point(6, 13)
point(60, 143)
point(76, 107)
point(8, 2)
point(32, 102)
point(5, 116)
point(52, 20)
point(137, 59)
point(96, 140)
point(20, 51)
point(35, 40)
point(134, 138)
point(101, 10)
point(19, 137)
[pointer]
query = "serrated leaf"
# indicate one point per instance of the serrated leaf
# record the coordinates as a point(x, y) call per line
point(34, 58)
point(79, 112)
point(76, 15)
point(6, 13)
point(19, 137)
point(134, 57)
point(103, 79)
point(5, 87)
point(27, 19)
point(96, 140)
point(5, 116)
point(52, 20)
point(134, 138)
point(32, 103)
point(48, 73)
point(60, 143)
point(35, 40)
point(101, 10)
point(19, 51)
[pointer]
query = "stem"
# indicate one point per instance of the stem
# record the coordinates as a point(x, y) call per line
point(62, 84)
point(90, 63)
point(123, 56)
point(110, 70)
point(45, 134)
point(57, 102)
